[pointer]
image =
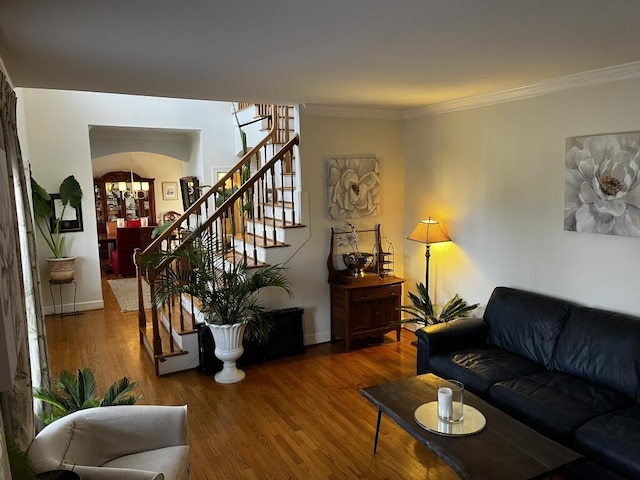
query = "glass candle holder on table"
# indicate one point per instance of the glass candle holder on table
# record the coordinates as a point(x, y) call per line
point(450, 401)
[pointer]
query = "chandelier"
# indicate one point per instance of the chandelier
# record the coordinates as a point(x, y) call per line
point(131, 189)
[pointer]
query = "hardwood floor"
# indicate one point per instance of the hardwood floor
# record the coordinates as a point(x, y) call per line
point(299, 417)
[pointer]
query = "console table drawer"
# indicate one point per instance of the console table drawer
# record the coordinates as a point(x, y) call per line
point(373, 293)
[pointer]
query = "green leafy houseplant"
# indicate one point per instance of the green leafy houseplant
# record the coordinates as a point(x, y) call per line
point(72, 393)
point(228, 293)
point(70, 195)
point(424, 312)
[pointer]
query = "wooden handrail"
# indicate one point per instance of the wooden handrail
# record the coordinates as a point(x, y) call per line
point(157, 243)
point(257, 191)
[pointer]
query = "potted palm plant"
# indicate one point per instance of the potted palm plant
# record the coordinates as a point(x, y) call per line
point(72, 393)
point(424, 312)
point(61, 268)
point(227, 292)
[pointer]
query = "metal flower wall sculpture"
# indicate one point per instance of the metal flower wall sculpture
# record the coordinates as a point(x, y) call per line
point(354, 187)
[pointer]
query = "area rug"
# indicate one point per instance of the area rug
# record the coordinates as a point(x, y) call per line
point(126, 292)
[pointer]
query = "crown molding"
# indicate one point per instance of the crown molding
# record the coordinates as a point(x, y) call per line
point(626, 71)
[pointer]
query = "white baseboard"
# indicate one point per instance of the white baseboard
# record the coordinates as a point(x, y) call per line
point(80, 307)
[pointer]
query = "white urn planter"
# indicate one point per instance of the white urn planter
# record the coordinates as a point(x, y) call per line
point(228, 340)
point(62, 270)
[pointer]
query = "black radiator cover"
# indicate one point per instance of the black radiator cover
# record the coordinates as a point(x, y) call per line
point(285, 340)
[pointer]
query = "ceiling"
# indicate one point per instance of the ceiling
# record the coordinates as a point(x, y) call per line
point(394, 54)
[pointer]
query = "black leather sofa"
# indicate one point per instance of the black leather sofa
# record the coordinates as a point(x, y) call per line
point(568, 371)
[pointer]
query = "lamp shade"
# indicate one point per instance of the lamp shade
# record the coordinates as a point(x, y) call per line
point(428, 231)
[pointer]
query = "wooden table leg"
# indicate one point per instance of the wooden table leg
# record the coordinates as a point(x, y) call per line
point(375, 441)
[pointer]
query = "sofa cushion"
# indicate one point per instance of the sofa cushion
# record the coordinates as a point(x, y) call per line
point(589, 470)
point(555, 403)
point(603, 347)
point(479, 368)
point(613, 439)
point(525, 323)
point(172, 462)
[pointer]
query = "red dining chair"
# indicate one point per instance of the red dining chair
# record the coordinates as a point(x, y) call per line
point(127, 240)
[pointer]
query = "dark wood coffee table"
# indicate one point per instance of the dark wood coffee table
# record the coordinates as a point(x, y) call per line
point(505, 449)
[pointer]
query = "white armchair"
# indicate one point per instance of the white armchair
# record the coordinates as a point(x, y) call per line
point(133, 442)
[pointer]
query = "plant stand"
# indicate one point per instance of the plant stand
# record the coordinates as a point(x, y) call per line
point(75, 291)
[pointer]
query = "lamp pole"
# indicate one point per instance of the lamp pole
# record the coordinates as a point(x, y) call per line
point(427, 254)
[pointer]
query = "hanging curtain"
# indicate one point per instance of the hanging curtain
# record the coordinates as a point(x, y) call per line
point(20, 279)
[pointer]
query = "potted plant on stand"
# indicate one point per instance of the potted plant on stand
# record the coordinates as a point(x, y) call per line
point(227, 292)
point(61, 268)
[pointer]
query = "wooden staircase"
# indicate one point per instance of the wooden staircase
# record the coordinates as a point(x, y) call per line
point(256, 219)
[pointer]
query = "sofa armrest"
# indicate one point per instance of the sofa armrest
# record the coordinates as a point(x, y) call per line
point(447, 337)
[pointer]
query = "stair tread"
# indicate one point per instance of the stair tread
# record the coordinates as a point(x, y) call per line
point(189, 322)
point(260, 241)
point(270, 222)
point(164, 336)
point(236, 257)
point(280, 203)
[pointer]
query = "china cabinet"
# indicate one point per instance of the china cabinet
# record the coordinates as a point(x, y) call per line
point(116, 196)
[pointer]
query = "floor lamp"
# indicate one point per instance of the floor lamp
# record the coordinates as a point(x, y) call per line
point(428, 231)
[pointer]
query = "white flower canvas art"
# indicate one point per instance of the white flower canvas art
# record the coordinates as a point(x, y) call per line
point(602, 184)
point(354, 187)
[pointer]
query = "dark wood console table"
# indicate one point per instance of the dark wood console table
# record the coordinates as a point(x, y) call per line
point(364, 305)
point(365, 308)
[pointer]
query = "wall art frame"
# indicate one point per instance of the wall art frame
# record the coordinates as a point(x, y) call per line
point(170, 190)
point(353, 186)
point(602, 184)
point(190, 190)
point(72, 219)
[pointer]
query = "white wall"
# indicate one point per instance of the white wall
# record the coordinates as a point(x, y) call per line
point(55, 140)
point(495, 177)
point(321, 137)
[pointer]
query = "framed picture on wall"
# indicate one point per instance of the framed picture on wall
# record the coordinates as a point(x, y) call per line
point(169, 190)
point(71, 221)
point(190, 189)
